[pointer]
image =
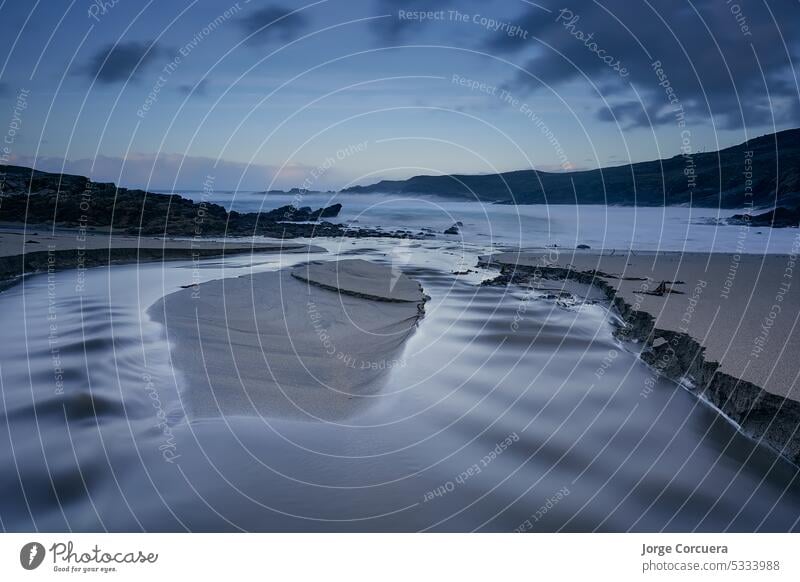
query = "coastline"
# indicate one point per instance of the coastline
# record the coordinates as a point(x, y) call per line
point(759, 396)
point(72, 248)
point(676, 331)
point(366, 390)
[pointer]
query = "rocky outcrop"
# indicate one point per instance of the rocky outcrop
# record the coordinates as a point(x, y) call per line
point(291, 213)
point(778, 218)
point(33, 197)
point(769, 418)
point(455, 229)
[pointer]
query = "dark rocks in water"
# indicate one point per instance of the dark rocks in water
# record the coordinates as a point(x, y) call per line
point(506, 277)
point(453, 229)
point(294, 191)
point(781, 217)
point(34, 197)
point(330, 211)
point(291, 213)
point(740, 220)
point(583, 247)
point(664, 288)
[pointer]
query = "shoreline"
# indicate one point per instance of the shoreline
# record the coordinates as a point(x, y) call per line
point(766, 411)
point(206, 367)
point(672, 349)
point(63, 250)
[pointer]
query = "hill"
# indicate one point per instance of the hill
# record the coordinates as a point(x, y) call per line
point(764, 171)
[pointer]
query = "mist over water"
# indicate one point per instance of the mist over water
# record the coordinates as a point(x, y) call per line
point(507, 411)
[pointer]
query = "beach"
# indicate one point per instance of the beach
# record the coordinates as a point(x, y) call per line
point(313, 343)
point(379, 384)
point(723, 324)
point(28, 249)
point(212, 402)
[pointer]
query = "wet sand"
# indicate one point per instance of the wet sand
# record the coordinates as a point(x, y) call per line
point(743, 309)
point(362, 279)
point(277, 345)
point(31, 250)
point(486, 365)
point(724, 325)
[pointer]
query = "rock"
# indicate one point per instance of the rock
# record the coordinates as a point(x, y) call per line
point(330, 211)
point(583, 247)
point(664, 288)
point(781, 217)
point(453, 229)
point(34, 197)
point(289, 213)
point(361, 278)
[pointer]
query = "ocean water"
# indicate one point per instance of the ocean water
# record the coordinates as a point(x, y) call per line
point(506, 411)
point(601, 227)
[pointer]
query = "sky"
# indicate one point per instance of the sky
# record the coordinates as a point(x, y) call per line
point(256, 95)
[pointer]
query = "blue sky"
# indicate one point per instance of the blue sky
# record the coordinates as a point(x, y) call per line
point(264, 94)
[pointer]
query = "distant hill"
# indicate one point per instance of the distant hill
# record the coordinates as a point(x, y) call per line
point(701, 179)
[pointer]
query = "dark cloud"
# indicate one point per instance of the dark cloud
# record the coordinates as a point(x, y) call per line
point(198, 90)
point(273, 24)
point(720, 61)
point(121, 62)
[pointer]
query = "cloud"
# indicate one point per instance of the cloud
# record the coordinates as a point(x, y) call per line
point(394, 28)
point(273, 24)
point(121, 62)
point(718, 61)
point(159, 171)
point(631, 114)
point(199, 89)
